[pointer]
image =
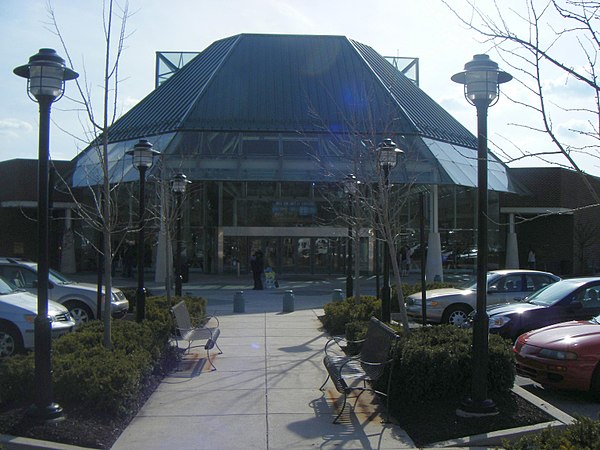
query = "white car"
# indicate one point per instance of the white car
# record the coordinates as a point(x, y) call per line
point(79, 298)
point(453, 305)
point(17, 313)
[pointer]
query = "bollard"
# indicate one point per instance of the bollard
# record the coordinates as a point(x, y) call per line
point(337, 295)
point(239, 304)
point(288, 301)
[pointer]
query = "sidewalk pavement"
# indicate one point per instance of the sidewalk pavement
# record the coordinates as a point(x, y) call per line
point(265, 392)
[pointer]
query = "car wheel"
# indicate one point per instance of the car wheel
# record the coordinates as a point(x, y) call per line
point(456, 315)
point(11, 341)
point(80, 311)
point(595, 386)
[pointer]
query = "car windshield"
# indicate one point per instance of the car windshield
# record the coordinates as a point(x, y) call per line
point(6, 287)
point(472, 285)
point(58, 278)
point(552, 293)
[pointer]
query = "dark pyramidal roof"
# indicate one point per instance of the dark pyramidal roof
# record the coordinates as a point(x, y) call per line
point(290, 83)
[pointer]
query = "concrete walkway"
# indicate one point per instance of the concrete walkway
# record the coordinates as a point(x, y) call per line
point(264, 393)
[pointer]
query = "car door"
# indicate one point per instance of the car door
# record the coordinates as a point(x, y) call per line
point(505, 289)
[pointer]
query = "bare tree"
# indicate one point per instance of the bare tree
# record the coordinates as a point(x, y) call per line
point(102, 215)
point(552, 49)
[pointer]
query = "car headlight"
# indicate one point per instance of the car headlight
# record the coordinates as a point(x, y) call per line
point(556, 354)
point(498, 321)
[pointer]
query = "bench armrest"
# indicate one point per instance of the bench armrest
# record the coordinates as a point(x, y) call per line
point(204, 320)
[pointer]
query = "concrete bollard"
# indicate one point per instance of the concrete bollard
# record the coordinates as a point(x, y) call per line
point(239, 304)
point(337, 295)
point(288, 301)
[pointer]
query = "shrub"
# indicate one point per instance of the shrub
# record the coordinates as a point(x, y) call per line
point(338, 314)
point(435, 362)
point(584, 434)
point(86, 373)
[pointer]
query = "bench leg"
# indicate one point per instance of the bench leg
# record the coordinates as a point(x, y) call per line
point(324, 383)
point(210, 361)
point(342, 410)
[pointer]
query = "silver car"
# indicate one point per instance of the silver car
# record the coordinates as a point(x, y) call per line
point(79, 298)
point(453, 305)
point(17, 313)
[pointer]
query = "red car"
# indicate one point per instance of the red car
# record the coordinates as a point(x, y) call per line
point(565, 355)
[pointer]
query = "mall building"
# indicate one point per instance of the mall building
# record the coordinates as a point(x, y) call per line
point(267, 128)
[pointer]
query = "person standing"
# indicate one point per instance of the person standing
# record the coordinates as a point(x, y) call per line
point(257, 266)
point(531, 258)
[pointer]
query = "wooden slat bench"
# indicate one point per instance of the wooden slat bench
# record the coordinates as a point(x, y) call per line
point(360, 372)
point(208, 331)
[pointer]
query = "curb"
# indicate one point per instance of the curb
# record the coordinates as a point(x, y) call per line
point(495, 438)
point(9, 442)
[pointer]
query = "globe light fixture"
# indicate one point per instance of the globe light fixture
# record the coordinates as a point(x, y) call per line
point(142, 156)
point(481, 79)
point(179, 184)
point(46, 74)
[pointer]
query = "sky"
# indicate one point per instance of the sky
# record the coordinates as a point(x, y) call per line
point(425, 29)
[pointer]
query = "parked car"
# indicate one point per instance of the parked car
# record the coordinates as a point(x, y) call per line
point(565, 355)
point(453, 305)
point(17, 313)
point(79, 298)
point(571, 299)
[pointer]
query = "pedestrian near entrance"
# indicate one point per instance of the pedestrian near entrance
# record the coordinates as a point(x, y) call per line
point(531, 258)
point(257, 266)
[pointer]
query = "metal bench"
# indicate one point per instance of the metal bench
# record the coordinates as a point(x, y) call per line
point(208, 331)
point(361, 372)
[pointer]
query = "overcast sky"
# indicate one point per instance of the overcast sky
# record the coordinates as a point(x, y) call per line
point(425, 29)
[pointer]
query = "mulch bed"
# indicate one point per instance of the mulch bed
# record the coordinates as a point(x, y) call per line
point(429, 422)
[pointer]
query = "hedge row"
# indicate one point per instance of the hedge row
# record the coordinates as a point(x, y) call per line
point(86, 373)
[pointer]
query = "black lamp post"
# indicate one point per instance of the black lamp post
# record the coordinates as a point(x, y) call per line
point(142, 158)
point(350, 188)
point(46, 74)
point(481, 79)
point(387, 157)
point(179, 184)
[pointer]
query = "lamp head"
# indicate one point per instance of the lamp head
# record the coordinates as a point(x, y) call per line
point(46, 74)
point(143, 154)
point(387, 153)
point(179, 183)
point(481, 79)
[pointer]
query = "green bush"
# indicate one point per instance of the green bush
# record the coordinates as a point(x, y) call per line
point(435, 362)
point(87, 374)
point(584, 434)
point(338, 314)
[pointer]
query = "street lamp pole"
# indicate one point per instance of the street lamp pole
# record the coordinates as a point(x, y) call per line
point(142, 159)
point(350, 187)
point(387, 157)
point(178, 185)
point(46, 74)
point(481, 79)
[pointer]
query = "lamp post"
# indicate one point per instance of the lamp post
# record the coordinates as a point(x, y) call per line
point(350, 188)
point(387, 157)
point(142, 158)
point(481, 79)
point(179, 184)
point(46, 74)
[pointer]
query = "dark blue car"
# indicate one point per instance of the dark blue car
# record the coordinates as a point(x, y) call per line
point(571, 299)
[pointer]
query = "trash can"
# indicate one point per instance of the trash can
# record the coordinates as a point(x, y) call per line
point(288, 301)
point(337, 295)
point(239, 303)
